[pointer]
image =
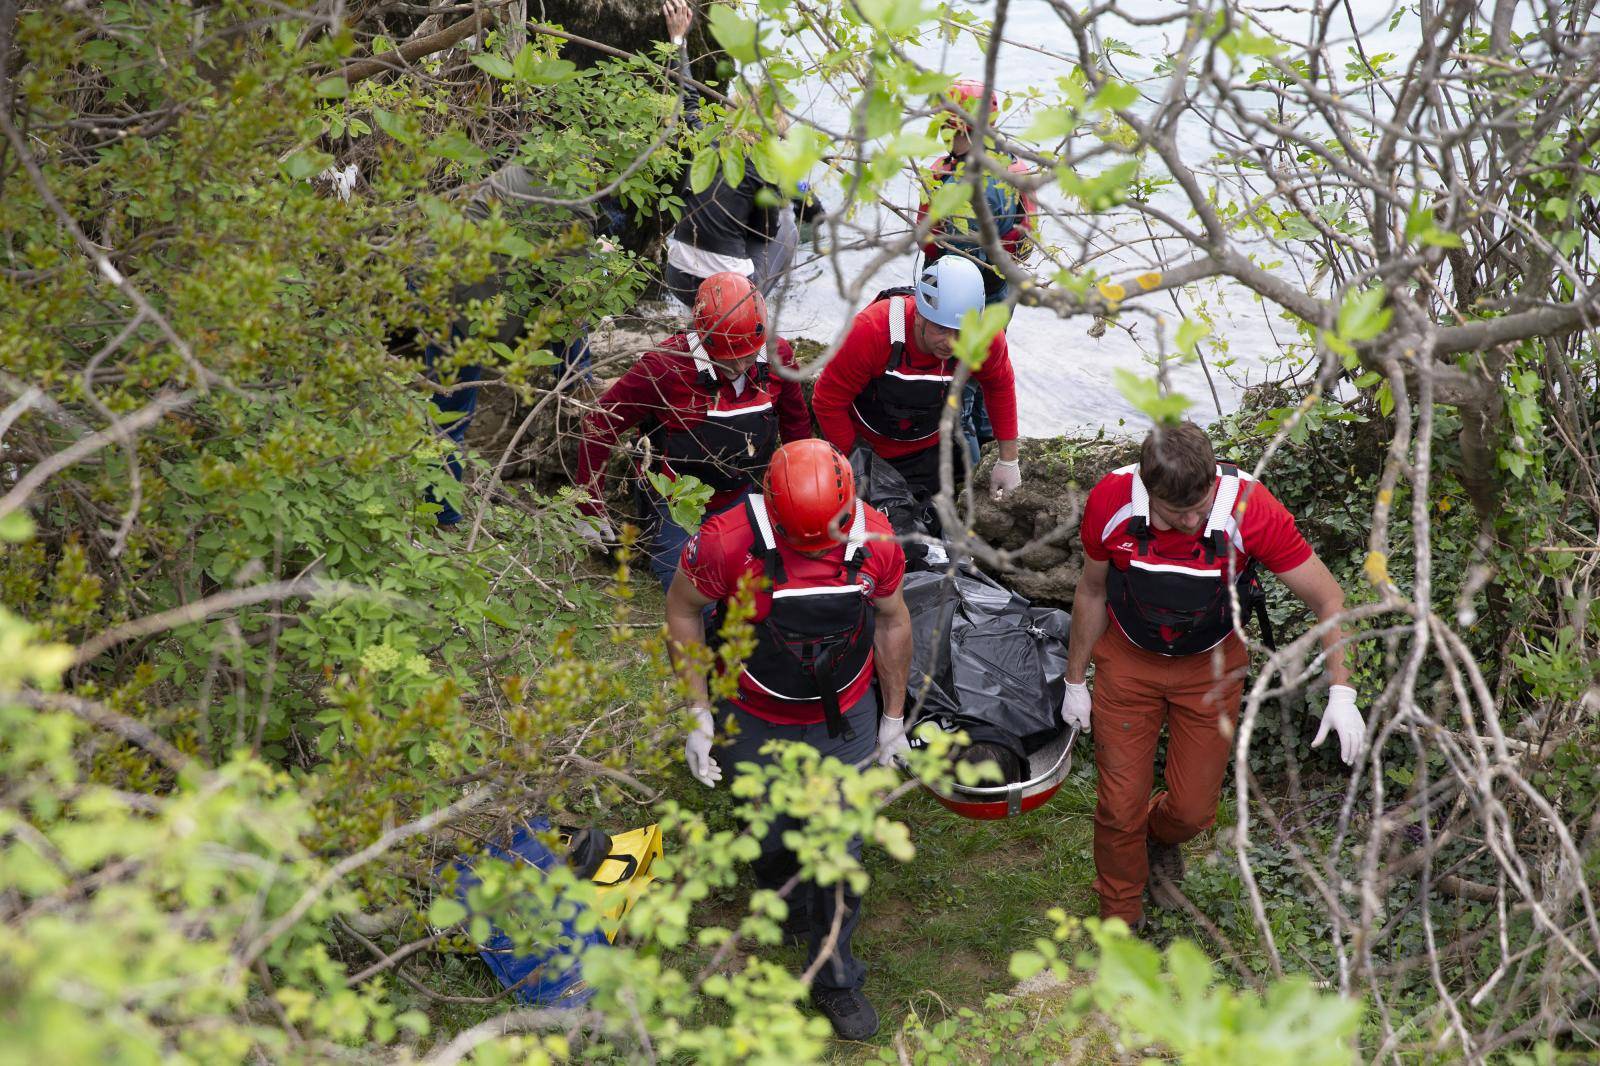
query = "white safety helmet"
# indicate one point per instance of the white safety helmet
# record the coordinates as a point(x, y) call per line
point(948, 288)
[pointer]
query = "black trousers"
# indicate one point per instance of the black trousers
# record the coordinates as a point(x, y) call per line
point(921, 471)
point(814, 904)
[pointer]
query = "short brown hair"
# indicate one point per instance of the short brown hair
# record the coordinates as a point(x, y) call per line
point(1177, 464)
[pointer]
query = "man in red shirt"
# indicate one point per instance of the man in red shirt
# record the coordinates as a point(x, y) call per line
point(1163, 541)
point(829, 617)
point(709, 407)
point(887, 385)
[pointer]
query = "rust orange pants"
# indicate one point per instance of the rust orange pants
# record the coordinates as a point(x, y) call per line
point(1135, 692)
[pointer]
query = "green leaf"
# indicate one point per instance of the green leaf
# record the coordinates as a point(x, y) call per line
point(1052, 124)
point(1146, 395)
point(453, 144)
point(495, 66)
point(1363, 316)
point(736, 34)
point(1114, 96)
point(978, 331)
point(884, 115)
point(703, 169)
point(953, 199)
point(304, 163)
point(686, 497)
point(445, 912)
point(403, 128)
point(1421, 226)
point(1102, 191)
point(334, 88)
point(732, 156)
point(1190, 333)
point(1024, 964)
point(785, 162)
point(533, 68)
point(1191, 970)
point(16, 527)
point(894, 17)
point(515, 246)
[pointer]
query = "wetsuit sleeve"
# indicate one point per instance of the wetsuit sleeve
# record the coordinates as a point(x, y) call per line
point(999, 386)
point(1096, 511)
point(631, 399)
point(1268, 530)
point(859, 359)
point(794, 419)
point(688, 95)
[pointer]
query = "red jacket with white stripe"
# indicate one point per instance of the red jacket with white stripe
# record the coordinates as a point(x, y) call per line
point(1168, 590)
point(671, 391)
point(866, 354)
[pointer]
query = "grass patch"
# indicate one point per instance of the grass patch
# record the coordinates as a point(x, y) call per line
point(938, 932)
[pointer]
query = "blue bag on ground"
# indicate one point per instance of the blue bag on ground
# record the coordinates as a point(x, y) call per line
point(545, 977)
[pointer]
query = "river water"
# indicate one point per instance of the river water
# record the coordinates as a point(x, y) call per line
point(1064, 375)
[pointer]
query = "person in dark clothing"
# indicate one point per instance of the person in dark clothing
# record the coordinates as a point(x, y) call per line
point(516, 192)
point(725, 228)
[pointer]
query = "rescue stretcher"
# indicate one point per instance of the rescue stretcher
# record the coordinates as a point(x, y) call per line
point(982, 654)
point(1048, 768)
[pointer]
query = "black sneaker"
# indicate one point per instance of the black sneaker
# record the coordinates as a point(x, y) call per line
point(852, 1017)
point(1166, 873)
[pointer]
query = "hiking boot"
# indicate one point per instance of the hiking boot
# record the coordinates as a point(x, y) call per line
point(1166, 873)
point(852, 1017)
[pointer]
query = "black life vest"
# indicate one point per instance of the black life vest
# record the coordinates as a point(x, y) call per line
point(731, 446)
point(1171, 606)
point(817, 636)
point(902, 404)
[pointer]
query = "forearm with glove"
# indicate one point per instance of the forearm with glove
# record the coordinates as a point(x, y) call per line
point(697, 748)
point(1343, 718)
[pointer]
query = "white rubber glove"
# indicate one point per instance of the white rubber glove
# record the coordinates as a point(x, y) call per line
point(697, 749)
point(1075, 706)
point(891, 739)
point(1005, 476)
point(596, 531)
point(1343, 718)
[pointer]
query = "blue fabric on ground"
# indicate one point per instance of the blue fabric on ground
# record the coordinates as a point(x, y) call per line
point(551, 977)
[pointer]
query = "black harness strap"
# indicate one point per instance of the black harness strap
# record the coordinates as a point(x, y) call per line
point(822, 667)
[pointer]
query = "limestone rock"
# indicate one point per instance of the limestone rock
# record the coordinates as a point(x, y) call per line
point(1039, 522)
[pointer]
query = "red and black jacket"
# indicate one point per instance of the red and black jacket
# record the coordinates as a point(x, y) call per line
point(1181, 604)
point(731, 444)
point(817, 637)
point(694, 421)
point(904, 403)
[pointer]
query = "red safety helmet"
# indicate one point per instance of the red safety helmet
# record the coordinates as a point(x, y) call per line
point(810, 492)
point(731, 316)
point(967, 93)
